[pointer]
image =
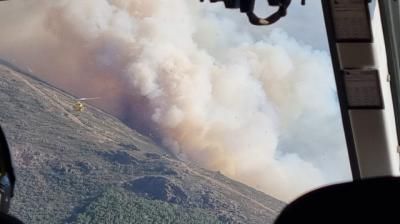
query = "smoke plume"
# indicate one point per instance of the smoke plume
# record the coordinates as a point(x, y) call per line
point(255, 104)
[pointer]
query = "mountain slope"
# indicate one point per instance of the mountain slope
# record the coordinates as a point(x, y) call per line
point(90, 168)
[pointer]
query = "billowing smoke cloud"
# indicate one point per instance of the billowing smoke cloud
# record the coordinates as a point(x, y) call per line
point(258, 106)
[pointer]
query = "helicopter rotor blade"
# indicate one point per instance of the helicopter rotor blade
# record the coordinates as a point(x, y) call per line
point(88, 98)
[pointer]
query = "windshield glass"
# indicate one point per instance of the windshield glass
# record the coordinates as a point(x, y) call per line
point(391, 27)
point(165, 111)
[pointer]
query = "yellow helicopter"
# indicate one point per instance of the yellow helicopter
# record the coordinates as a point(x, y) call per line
point(78, 106)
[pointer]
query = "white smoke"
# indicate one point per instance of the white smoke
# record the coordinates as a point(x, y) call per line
point(258, 106)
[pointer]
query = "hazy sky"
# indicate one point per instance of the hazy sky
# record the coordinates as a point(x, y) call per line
point(304, 23)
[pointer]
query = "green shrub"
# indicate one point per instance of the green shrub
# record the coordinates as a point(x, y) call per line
point(118, 206)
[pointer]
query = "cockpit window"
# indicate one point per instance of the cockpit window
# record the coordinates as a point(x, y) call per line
point(159, 111)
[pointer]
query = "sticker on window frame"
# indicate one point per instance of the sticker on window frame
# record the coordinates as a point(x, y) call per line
point(363, 89)
point(351, 20)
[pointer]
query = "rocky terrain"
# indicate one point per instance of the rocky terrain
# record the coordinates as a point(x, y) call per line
point(89, 167)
